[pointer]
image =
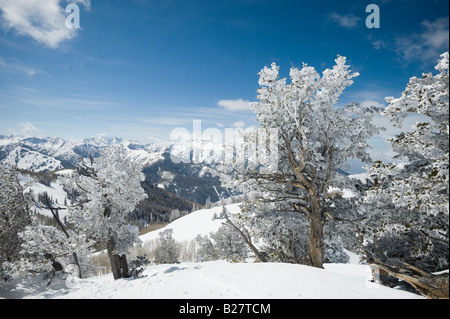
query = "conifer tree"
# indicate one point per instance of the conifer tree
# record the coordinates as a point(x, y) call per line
point(14, 216)
point(407, 229)
point(315, 138)
point(109, 188)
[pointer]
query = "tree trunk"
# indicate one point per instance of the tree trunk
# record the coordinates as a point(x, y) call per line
point(428, 285)
point(124, 266)
point(75, 258)
point(316, 240)
point(114, 259)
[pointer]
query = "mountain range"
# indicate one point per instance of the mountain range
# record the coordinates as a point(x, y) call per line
point(196, 182)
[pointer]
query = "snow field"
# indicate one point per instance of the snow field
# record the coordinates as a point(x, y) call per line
point(200, 222)
point(55, 191)
point(224, 280)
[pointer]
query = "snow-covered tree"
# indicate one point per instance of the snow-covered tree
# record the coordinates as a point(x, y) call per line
point(29, 246)
point(206, 251)
point(315, 138)
point(408, 203)
point(167, 250)
point(47, 248)
point(284, 237)
point(229, 245)
point(225, 243)
point(109, 188)
point(14, 215)
point(423, 183)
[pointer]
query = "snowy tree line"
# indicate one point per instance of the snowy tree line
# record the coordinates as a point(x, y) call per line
point(397, 219)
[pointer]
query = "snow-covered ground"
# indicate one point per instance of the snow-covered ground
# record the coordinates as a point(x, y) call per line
point(200, 222)
point(217, 279)
point(224, 280)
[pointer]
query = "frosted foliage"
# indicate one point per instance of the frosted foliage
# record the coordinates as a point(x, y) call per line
point(206, 251)
point(109, 190)
point(225, 243)
point(417, 190)
point(167, 250)
point(228, 244)
point(44, 244)
point(14, 214)
point(312, 129)
point(316, 136)
point(423, 182)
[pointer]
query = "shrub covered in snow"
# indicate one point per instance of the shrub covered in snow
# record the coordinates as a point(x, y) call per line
point(167, 251)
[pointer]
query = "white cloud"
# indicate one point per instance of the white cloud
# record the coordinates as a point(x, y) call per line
point(44, 21)
point(429, 43)
point(423, 45)
point(28, 129)
point(381, 148)
point(346, 21)
point(15, 65)
point(235, 105)
point(379, 44)
point(436, 33)
point(239, 124)
point(407, 125)
point(370, 103)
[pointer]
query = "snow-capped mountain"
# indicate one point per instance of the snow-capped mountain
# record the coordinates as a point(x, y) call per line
point(27, 159)
point(197, 182)
point(46, 154)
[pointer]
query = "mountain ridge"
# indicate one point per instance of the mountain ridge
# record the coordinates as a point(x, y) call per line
point(196, 182)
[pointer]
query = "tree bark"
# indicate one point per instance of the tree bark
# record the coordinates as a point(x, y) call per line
point(316, 239)
point(124, 266)
point(77, 263)
point(114, 259)
point(428, 285)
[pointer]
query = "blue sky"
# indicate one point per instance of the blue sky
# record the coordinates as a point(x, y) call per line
point(140, 68)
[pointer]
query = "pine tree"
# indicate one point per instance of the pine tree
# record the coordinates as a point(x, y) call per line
point(109, 188)
point(49, 249)
point(314, 138)
point(206, 250)
point(407, 231)
point(55, 244)
point(229, 245)
point(14, 217)
point(167, 250)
